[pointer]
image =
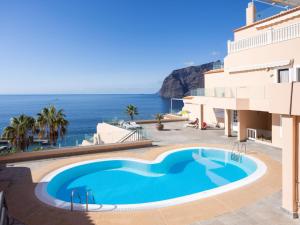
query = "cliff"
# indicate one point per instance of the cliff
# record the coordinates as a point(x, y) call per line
point(180, 82)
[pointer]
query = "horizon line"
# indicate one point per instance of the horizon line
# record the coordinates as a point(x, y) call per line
point(14, 94)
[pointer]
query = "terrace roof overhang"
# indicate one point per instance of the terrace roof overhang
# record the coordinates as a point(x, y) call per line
point(291, 3)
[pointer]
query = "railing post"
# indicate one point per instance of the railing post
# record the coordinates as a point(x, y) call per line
point(72, 200)
point(229, 46)
point(87, 201)
point(270, 36)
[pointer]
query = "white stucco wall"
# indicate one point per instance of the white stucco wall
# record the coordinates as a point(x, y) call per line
point(277, 134)
point(109, 133)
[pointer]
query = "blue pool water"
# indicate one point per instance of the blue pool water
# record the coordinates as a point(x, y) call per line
point(179, 174)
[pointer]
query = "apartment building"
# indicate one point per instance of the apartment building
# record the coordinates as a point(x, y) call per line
point(256, 96)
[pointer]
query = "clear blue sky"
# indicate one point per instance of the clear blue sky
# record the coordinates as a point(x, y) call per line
point(108, 46)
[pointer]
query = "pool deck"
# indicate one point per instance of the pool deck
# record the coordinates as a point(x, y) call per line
point(256, 203)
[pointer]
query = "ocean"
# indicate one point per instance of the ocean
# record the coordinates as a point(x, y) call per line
point(84, 111)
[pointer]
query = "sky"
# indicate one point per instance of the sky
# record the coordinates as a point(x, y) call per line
point(109, 46)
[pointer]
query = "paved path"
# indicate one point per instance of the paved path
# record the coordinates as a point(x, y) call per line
point(177, 133)
point(265, 212)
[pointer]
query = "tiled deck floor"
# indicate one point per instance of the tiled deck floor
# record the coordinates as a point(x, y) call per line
point(177, 133)
point(265, 210)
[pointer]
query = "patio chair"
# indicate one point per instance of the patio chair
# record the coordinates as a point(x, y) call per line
point(194, 124)
point(131, 125)
point(121, 123)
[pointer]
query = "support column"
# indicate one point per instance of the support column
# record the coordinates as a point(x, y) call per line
point(289, 164)
point(242, 125)
point(297, 162)
point(228, 122)
point(201, 115)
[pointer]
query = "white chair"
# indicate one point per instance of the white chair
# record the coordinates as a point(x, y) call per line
point(121, 122)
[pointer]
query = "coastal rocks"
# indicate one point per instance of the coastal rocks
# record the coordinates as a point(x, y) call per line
point(180, 82)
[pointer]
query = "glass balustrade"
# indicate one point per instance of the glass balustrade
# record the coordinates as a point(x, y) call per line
point(247, 92)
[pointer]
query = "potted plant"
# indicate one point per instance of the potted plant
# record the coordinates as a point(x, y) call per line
point(159, 125)
point(203, 126)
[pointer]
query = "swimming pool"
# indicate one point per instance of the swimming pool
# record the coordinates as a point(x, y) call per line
point(175, 177)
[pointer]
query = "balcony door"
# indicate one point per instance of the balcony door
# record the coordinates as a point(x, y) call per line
point(284, 76)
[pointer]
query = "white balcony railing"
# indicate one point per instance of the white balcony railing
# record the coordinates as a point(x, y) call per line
point(259, 134)
point(268, 37)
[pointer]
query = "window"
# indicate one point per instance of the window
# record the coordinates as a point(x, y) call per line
point(235, 116)
point(283, 76)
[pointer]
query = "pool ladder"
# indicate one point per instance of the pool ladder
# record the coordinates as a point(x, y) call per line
point(88, 193)
point(239, 147)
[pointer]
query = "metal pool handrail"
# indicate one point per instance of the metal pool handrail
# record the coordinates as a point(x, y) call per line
point(87, 200)
point(72, 198)
point(87, 194)
point(240, 146)
point(4, 219)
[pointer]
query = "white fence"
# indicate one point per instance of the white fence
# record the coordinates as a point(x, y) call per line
point(255, 134)
point(268, 37)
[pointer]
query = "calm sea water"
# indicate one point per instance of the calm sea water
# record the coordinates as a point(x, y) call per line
point(83, 111)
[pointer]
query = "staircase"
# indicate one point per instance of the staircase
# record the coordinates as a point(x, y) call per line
point(135, 135)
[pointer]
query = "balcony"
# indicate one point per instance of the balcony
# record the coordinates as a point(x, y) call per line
point(279, 98)
point(285, 98)
point(236, 98)
point(270, 36)
point(257, 92)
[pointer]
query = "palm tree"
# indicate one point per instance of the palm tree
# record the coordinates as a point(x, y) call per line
point(52, 124)
point(20, 132)
point(131, 110)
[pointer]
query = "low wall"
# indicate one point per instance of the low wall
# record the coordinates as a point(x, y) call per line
point(110, 134)
point(63, 152)
point(164, 121)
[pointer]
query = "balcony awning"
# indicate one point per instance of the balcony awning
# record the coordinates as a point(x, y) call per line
point(261, 66)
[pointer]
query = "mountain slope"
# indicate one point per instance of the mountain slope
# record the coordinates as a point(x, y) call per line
point(180, 82)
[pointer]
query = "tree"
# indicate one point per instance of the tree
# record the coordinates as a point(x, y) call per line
point(132, 111)
point(52, 124)
point(20, 132)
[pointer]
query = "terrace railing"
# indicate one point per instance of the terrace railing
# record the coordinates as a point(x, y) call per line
point(214, 92)
point(135, 135)
point(270, 36)
point(255, 134)
point(253, 92)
